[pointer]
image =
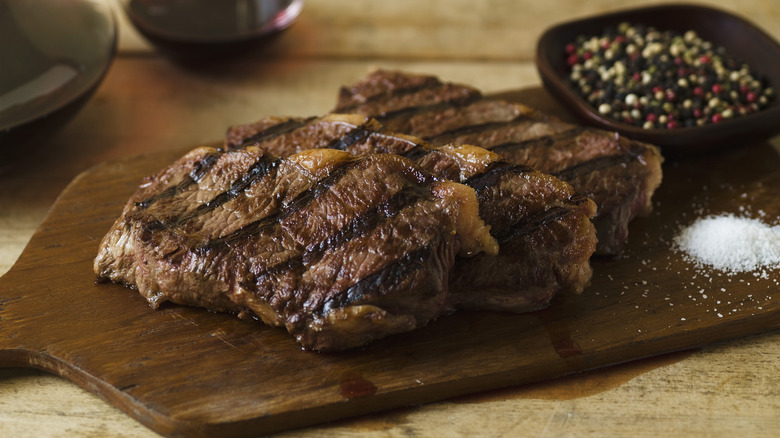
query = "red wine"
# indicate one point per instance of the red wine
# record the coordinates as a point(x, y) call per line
point(206, 27)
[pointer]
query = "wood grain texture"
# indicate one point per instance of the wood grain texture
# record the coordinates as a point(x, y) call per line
point(188, 372)
point(435, 30)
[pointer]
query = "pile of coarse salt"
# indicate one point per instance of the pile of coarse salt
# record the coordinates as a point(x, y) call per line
point(731, 243)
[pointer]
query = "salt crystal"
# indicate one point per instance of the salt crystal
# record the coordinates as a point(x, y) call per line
point(730, 243)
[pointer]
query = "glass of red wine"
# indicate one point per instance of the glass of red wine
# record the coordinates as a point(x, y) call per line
point(195, 29)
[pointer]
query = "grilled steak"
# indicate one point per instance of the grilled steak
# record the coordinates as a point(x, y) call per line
point(543, 228)
point(338, 249)
point(621, 175)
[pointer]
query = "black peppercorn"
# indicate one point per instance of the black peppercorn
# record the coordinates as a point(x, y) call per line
point(662, 79)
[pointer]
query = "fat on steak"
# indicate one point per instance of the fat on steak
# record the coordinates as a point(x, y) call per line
point(619, 174)
point(338, 249)
point(542, 226)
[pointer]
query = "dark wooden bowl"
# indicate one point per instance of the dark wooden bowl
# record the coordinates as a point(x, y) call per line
point(738, 36)
point(58, 52)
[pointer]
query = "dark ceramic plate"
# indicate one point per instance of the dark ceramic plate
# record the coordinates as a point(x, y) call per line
point(53, 55)
point(738, 36)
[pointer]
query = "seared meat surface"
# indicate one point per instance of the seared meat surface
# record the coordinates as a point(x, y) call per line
point(340, 250)
point(543, 228)
point(619, 174)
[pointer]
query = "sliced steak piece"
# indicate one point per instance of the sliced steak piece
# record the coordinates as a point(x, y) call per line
point(340, 250)
point(620, 174)
point(543, 228)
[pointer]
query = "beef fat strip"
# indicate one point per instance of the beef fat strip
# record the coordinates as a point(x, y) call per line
point(621, 175)
point(543, 228)
point(340, 250)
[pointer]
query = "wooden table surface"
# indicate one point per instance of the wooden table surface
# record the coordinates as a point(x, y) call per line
point(149, 103)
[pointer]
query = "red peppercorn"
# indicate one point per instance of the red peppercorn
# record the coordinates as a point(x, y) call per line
point(671, 91)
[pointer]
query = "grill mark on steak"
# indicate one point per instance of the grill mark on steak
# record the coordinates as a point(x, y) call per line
point(537, 220)
point(203, 166)
point(449, 135)
point(531, 223)
point(426, 107)
point(595, 164)
point(151, 227)
point(261, 168)
point(301, 201)
point(257, 171)
point(544, 141)
point(526, 224)
point(429, 82)
point(366, 221)
point(493, 174)
point(368, 132)
point(352, 133)
point(358, 227)
point(287, 265)
point(275, 131)
point(417, 152)
point(199, 169)
point(354, 136)
point(398, 268)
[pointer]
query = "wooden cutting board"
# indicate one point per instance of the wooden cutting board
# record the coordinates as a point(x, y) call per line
point(187, 372)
